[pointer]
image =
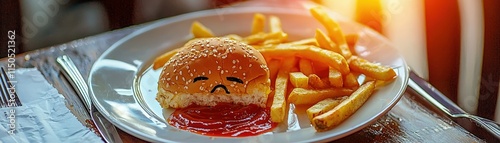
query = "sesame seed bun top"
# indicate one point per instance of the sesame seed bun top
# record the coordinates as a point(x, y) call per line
point(215, 66)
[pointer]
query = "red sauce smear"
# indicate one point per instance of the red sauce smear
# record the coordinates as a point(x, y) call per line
point(224, 119)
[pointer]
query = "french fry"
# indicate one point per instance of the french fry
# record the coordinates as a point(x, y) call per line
point(258, 36)
point(308, 41)
point(333, 29)
point(381, 83)
point(258, 23)
point(378, 83)
point(271, 43)
point(289, 63)
point(234, 37)
point(345, 109)
point(161, 60)
point(323, 106)
point(273, 66)
point(262, 46)
point(316, 82)
point(335, 78)
point(351, 81)
point(325, 42)
point(372, 70)
point(305, 67)
point(321, 69)
point(351, 40)
point(298, 79)
point(278, 108)
point(270, 98)
point(302, 96)
point(200, 31)
point(312, 53)
point(261, 37)
point(275, 41)
point(326, 81)
point(274, 24)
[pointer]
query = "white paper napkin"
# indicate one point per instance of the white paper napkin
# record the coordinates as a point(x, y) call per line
point(43, 116)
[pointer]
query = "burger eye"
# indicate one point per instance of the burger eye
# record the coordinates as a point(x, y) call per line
point(235, 79)
point(200, 78)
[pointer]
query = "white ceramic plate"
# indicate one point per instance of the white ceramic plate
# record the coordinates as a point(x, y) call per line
point(123, 85)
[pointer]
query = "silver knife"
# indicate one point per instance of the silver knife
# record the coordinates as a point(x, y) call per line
point(104, 127)
point(437, 98)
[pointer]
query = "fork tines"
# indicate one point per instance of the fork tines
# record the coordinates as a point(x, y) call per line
point(9, 96)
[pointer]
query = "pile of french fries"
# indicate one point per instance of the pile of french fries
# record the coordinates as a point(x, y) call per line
point(321, 72)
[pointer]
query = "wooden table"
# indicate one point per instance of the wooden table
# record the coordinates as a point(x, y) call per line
point(409, 121)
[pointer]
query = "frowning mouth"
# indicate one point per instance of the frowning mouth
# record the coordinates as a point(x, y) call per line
point(221, 86)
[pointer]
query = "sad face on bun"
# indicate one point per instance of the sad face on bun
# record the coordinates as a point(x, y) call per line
point(213, 70)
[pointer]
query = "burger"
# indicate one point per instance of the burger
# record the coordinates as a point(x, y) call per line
point(209, 71)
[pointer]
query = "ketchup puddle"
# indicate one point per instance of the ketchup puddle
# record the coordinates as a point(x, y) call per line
point(223, 120)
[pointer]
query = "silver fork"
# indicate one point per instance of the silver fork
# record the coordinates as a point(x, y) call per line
point(9, 96)
point(439, 100)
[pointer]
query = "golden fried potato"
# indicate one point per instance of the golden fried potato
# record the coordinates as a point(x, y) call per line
point(323, 106)
point(335, 78)
point(258, 23)
point(312, 53)
point(316, 82)
point(161, 60)
point(279, 106)
point(276, 41)
point(260, 38)
point(200, 31)
point(325, 42)
point(351, 81)
point(271, 43)
point(305, 67)
point(308, 41)
point(345, 109)
point(298, 79)
point(273, 66)
point(321, 69)
point(301, 96)
point(333, 29)
point(270, 98)
point(274, 24)
point(372, 70)
point(289, 63)
point(351, 40)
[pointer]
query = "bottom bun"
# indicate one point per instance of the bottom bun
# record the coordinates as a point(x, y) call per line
point(181, 100)
point(256, 93)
